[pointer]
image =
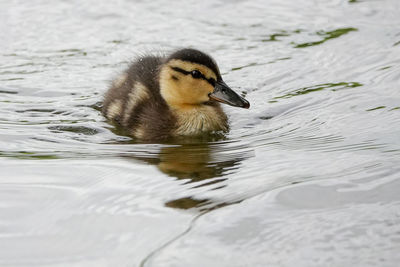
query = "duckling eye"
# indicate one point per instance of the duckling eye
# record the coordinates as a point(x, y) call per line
point(196, 74)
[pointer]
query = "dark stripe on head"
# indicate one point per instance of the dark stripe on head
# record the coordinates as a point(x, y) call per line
point(180, 70)
point(210, 81)
point(196, 56)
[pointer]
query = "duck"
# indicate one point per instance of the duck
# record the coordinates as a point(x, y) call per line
point(160, 97)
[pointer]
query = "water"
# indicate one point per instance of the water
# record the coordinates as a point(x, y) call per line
point(309, 176)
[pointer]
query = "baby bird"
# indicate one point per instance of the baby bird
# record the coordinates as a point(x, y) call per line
point(162, 97)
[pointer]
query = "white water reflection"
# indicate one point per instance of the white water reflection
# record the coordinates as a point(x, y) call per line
point(308, 176)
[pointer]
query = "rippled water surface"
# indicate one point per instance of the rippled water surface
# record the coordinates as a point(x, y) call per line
point(309, 176)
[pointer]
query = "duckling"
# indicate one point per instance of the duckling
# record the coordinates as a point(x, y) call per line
point(177, 95)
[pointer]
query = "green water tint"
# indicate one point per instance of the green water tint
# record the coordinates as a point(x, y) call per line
point(383, 107)
point(69, 52)
point(273, 37)
point(245, 66)
point(320, 87)
point(380, 107)
point(74, 129)
point(8, 92)
point(326, 36)
point(260, 64)
point(385, 68)
point(28, 155)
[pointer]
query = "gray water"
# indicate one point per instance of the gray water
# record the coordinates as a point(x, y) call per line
point(309, 176)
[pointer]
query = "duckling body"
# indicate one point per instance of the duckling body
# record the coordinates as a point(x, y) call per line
point(161, 97)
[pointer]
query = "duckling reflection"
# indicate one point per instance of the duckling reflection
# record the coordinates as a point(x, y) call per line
point(196, 162)
point(189, 162)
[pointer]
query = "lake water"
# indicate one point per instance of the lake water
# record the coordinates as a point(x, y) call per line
point(308, 176)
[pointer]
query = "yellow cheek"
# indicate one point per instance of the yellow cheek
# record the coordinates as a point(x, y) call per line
point(183, 89)
point(196, 91)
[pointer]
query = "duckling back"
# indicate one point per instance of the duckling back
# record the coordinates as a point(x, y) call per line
point(134, 101)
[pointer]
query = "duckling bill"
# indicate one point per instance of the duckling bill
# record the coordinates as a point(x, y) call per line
point(178, 95)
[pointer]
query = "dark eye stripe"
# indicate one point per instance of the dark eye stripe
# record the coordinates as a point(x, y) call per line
point(210, 81)
point(180, 70)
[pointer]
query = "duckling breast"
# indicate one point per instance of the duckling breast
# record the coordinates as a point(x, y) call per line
point(199, 120)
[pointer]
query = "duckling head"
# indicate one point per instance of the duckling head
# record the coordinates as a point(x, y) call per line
point(190, 78)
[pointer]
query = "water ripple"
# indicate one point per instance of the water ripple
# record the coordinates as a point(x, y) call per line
point(315, 158)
